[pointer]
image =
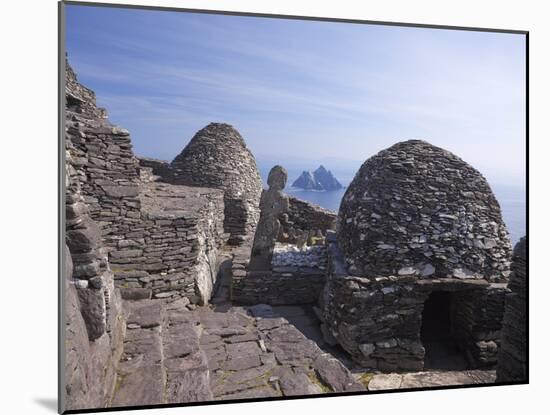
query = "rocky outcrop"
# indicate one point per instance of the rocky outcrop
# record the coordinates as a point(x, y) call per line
point(512, 358)
point(217, 157)
point(326, 179)
point(306, 181)
point(416, 222)
point(320, 179)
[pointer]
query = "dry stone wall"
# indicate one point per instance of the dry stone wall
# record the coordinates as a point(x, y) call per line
point(94, 318)
point(106, 168)
point(378, 321)
point(153, 253)
point(177, 250)
point(416, 220)
point(217, 157)
point(512, 359)
point(284, 284)
point(305, 219)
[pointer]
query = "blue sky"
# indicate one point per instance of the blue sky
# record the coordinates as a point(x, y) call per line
point(304, 92)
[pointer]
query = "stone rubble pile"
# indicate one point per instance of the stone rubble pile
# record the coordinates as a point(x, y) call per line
point(512, 359)
point(286, 255)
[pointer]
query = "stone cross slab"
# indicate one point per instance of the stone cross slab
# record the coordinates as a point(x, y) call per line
point(273, 204)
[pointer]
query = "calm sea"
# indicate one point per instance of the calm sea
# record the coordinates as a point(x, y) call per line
point(512, 201)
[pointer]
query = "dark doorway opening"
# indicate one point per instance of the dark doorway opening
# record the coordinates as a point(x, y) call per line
point(442, 350)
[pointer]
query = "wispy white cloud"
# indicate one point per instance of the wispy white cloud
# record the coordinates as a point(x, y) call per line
point(290, 85)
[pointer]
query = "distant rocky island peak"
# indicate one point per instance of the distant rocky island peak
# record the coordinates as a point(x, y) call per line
point(320, 179)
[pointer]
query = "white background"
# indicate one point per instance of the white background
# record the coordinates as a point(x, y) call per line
point(28, 234)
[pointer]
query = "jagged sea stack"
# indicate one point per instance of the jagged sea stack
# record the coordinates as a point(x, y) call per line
point(217, 157)
point(422, 257)
point(512, 358)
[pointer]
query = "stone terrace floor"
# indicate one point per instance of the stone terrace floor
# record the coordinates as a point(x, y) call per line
point(175, 353)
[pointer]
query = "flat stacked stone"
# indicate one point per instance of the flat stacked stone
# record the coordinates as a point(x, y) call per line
point(217, 157)
point(93, 313)
point(420, 206)
point(107, 169)
point(512, 358)
point(177, 252)
point(416, 219)
point(305, 219)
point(166, 249)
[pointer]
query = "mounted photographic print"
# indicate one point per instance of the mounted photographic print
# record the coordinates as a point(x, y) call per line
point(259, 207)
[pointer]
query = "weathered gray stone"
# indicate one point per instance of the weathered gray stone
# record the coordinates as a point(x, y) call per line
point(512, 357)
point(273, 204)
point(426, 234)
point(385, 382)
point(135, 293)
point(335, 375)
point(296, 384)
point(217, 157)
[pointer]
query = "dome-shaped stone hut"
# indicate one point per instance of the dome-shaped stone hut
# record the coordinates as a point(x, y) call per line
point(421, 261)
point(217, 157)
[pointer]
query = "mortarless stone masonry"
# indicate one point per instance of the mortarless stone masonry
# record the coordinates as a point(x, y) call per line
point(166, 257)
point(217, 157)
point(94, 319)
point(418, 206)
point(415, 220)
point(423, 223)
point(512, 358)
point(305, 219)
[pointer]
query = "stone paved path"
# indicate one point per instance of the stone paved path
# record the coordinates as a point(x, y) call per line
point(173, 354)
point(430, 379)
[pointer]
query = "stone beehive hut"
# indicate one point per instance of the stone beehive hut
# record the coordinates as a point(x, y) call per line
point(420, 238)
point(416, 209)
point(217, 157)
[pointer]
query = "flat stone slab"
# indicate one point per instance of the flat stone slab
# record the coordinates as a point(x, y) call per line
point(385, 382)
point(295, 384)
point(335, 375)
point(428, 379)
point(146, 313)
point(144, 386)
point(176, 355)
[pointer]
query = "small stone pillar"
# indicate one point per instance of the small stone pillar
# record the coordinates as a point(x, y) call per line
point(273, 204)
